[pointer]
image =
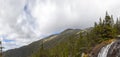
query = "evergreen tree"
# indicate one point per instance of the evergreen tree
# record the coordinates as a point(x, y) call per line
point(100, 28)
point(1, 49)
point(108, 27)
point(112, 21)
point(117, 26)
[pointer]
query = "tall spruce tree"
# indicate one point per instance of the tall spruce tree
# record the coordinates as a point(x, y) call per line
point(117, 26)
point(108, 27)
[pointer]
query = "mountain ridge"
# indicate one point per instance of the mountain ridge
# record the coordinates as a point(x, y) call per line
point(49, 42)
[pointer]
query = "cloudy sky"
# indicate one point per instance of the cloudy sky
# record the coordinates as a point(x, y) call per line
point(25, 21)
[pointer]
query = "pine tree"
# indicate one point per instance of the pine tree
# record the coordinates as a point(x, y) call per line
point(107, 20)
point(112, 21)
point(100, 23)
point(117, 26)
point(1, 49)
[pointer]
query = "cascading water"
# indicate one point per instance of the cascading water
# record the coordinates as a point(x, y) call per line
point(104, 51)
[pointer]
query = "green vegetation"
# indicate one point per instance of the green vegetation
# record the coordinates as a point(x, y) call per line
point(106, 28)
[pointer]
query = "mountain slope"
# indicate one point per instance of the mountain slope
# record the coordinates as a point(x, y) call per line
point(49, 42)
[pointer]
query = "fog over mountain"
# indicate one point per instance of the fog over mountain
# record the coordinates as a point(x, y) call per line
point(25, 21)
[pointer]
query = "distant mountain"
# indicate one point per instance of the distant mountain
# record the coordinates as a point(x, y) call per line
point(48, 42)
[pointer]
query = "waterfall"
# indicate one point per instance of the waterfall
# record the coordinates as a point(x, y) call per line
point(104, 51)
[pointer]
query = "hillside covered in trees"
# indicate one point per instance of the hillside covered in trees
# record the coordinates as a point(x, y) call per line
point(71, 42)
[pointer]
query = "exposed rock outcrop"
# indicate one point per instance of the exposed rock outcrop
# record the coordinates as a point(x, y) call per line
point(114, 51)
point(96, 49)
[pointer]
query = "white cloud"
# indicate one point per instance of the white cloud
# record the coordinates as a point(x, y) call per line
point(26, 20)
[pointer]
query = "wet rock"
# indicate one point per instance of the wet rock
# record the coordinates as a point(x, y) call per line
point(96, 49)
point(114, 51)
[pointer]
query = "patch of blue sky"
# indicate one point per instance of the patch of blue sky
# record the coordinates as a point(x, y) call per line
point(8, 40)
point(4, 37)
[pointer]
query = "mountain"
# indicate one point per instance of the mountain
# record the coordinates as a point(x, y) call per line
point(49, 42)
point(69, 43)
